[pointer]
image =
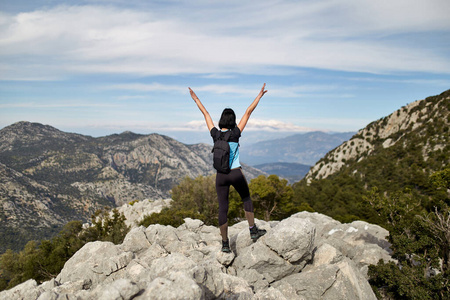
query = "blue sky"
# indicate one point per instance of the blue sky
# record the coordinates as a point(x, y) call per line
point(99, 67)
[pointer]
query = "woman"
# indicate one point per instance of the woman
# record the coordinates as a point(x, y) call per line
point(235, 177)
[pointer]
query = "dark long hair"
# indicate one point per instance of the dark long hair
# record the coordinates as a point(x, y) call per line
point(228, 119)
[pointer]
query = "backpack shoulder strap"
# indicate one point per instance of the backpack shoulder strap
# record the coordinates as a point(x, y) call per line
point(223, 136)
point(227, 136)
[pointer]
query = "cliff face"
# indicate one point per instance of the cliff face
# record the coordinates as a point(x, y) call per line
point(49, 177)
point(420, 125)
point(306, 256)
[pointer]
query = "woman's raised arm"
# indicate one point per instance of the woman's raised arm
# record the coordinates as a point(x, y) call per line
point(205, 113)
point(251, 108)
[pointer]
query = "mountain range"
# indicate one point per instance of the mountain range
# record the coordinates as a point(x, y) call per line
point(49, 177)
point(305, 148)
point(292, 172)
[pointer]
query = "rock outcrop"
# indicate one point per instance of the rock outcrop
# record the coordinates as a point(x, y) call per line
point(306, 256)
point(134, 212)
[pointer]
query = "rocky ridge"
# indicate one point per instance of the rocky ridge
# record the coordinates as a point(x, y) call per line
point(420, 118)
point(321, 259)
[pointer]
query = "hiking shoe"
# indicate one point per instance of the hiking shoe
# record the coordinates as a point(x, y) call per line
point(226, 246)
point(256, 233)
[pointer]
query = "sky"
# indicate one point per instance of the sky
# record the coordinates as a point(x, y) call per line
point(99, 67)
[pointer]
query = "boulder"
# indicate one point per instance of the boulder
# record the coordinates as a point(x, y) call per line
point(292, 239)
point(272, 293)
point(192, 225)
point(234, 288)
point(309, 285)
point(360, 241)
point(121, 289)
point(176, 286)
point(94, 262)
point(27, 290)
point(326, 255)
point(323, 223)
point(225, 258)
point(162, 235)
point(339, 280)
point(135, 212)
point(136, 240)
point(263, 260)
point(174, 262)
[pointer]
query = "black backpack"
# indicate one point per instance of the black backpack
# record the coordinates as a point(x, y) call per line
point(221, 150)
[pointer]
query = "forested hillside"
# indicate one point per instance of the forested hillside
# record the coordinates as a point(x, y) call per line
point(392, 154)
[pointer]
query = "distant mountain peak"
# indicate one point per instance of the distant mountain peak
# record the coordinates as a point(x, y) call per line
point(304, 148)
point(36, 135)
point(31, 126)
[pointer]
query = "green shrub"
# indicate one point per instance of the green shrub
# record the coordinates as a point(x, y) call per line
point(420, 243)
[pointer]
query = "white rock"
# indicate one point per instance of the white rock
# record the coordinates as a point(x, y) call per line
point(177, 286)
point(326, 255)
point(265, 261)
point(94, 261)
point(162, 262)
point(27, 290)
point(136, 240)
point(292, 238)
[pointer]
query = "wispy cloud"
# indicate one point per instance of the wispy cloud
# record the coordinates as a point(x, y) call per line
point(434, 82)
point(152, 87)
point(221, 38)
point(281, 91)
point(72, 104)
point(194, 126)
point(123, 61)
point(255, 125)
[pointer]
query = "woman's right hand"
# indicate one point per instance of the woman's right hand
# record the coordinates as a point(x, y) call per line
point(262, 92)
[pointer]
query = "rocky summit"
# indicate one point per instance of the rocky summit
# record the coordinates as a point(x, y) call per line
point(306, 256)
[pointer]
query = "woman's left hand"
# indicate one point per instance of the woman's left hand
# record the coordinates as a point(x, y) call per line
point(193, 95)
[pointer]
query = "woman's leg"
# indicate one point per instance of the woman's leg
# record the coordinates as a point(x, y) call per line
point(224, 231)
point(223, 190)
point(241, 186)
point(250, 218)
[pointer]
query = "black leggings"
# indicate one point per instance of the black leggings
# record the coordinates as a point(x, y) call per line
point(223, 181)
